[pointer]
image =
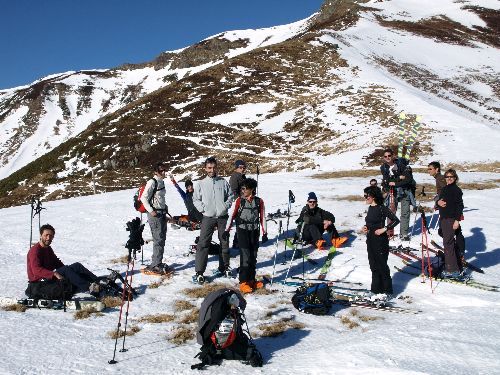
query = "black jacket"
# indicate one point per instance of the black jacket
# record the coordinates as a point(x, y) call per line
point(315, 216)
point(402, 169)
point(452, 195)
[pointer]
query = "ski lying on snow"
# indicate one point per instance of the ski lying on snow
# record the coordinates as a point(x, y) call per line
point(367, 305)
point(74, 304)
point(293, 247)
point(328, 281)
point(328, 262)
point(440, 249)
point(471, 283)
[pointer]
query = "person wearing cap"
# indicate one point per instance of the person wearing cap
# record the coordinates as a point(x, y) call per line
point(187, 197)
point(235, 182)
point(316, 221)
point(237, 177)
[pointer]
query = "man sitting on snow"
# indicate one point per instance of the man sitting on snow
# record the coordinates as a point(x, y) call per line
point(49, 278)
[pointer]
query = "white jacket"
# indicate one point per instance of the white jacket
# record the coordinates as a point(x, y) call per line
point(158, 201)
point(212, 196)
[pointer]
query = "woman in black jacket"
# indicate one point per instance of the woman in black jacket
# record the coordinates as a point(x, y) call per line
point(451, 207)
point(377, 241)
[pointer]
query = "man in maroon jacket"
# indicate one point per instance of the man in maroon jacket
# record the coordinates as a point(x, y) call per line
point(44, 267)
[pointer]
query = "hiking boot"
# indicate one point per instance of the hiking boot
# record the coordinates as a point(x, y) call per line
point(155, 270)
point(94, 289)
point(198, 278)
point(245, 287)
point(319, 244)
point(257, 284)
point(228, 272)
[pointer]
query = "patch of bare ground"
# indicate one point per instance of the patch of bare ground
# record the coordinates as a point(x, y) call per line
point(120, 260)
point(480, 185)
point(190, 317)
point(364, 318)
point(349, 198)
point(204, 290)
point(351, 173)
point(475, 167)
point(16, 307)
point(131, 331)
point(111, 302)
point(86, 313)
point(264, 291)
point(277, 328)
point(182, 305)
point(491, 33)
point(181, 335)
point(156, 318)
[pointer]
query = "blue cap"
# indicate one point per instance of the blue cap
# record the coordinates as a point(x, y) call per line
point(312, 196)
point(239, 162)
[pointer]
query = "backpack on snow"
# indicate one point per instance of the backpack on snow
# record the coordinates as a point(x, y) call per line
point(138, 194)
point(314, 299)
point(221, 333)
point(50, 289)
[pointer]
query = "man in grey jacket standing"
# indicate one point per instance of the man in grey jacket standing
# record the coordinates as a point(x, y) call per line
point(153, 199)
point(212, 197)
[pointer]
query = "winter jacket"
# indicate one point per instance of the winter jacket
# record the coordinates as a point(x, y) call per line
point(158, 201)
point(41, 263)
point(315, 217)
point(400, 168)
point(235, 182)
point(212, 196)
point(376, 216)
point(452, 195)
point(193, 213)
point(440, 182)
point(248, 214)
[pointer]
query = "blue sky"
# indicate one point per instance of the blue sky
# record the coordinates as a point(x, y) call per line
point(43, 37)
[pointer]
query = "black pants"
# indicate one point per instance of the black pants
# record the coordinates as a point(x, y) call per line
point(249, 246)
point(78, 276)
point(459, 244)
point(378, 252)
point(312, 232)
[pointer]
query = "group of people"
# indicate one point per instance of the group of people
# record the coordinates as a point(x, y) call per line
point(398, 186)
point(216, 204)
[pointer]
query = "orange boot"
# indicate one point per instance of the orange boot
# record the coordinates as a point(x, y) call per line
point(258, 284)
point(319, 244)
point(337, 242)
point(246, 287)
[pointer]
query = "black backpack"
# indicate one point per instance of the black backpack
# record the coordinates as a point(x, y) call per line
point(314, 299)
point(50, 289)
point(223, 335)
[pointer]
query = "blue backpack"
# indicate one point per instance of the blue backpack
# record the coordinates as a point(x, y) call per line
point(313, 299)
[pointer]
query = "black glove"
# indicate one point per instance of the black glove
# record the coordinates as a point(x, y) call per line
point(135, 238)
point(225, 235)
point(264, 238)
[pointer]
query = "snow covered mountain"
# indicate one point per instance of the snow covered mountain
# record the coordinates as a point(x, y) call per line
point(312, 94)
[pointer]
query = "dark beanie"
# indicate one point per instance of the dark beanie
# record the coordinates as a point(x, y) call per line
point(312, 196)
point(188, 183)
point(239, 162)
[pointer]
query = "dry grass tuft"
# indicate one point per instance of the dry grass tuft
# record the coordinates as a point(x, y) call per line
point(181, 335)
point(182, 305)
point(120, 260)
point(110, 301)
point(277, 328)
point(204, 290)
point(86, 313)
point(154, 285)
point(131, 331)
point(482, 185)
point(348, 322)
point(158, 318)
point(190, 317)
point(264, 291)
point(475, 167)
point(352, 173)
point(17, 307)
point(350, 198)
point(367, 318)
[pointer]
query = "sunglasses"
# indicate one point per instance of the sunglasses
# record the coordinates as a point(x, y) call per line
point(449, 176)
point(387, 156)
point(312, 202)
point(366, 196)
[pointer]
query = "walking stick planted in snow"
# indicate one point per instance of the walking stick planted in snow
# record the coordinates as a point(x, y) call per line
point(276, 251)
point(291, 200)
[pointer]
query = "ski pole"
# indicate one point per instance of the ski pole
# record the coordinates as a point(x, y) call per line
point(291, 199)
point(31, 220)
point(429, 268)
point(276, 252)
point(113, 361)
point(128, 287)
point(257, 190)
point(306, 220)
point(414, 223)
point(142, 248)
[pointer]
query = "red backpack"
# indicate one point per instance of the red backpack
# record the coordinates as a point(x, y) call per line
point(138, 194)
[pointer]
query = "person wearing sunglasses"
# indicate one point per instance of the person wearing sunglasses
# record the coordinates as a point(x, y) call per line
point(377, 241)
point(249, 215)
point(316, 221)
point(235, 182)
point(451, 208)
point(398, 176)
point(153, 200)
